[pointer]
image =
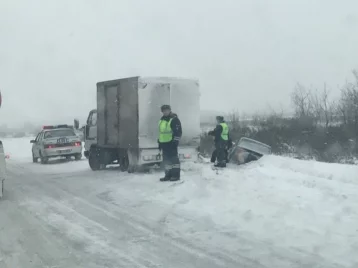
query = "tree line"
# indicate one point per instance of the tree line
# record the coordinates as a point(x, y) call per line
point(323, 127)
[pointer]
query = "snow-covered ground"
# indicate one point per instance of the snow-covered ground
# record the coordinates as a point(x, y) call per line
point(276, 212)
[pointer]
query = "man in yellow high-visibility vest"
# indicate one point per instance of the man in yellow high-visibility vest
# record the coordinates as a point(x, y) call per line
point(222, 140)
point(170, 132)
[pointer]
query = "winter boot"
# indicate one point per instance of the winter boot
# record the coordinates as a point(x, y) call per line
point(220, 165)
point(165, 178)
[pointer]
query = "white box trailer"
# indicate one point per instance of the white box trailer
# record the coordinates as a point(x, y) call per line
point(124, 127)
point(2, 169)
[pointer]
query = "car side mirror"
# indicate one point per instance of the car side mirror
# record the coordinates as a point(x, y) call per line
point(32, 141)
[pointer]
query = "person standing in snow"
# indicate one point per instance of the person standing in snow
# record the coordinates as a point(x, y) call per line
point(170, 132)
point(222, 142)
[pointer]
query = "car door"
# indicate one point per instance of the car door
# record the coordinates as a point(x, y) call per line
point(35, 150)
point(36, 145)
point(40, 143)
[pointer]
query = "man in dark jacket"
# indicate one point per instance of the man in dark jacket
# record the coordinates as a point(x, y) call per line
point(222, 142)
point(170, 132)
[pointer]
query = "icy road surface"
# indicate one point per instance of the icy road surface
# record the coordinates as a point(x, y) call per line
point(277, 212)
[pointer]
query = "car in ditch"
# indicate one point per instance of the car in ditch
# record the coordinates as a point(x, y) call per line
point(247, 150)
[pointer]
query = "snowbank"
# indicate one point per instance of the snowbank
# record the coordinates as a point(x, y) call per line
point(18, 148)
point(290, 205)
point(275, 207)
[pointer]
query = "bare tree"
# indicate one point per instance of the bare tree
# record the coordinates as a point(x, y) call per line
point(234, 119)
point(348, 104)
point(327, 105)
point(302, 102)
point(316, 104)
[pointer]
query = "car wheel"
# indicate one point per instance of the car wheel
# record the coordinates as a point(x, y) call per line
point(44, 159)
point(78, 157)
point(34, 159)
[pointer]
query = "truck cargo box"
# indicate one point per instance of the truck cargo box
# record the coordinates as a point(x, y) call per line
point(129, 110)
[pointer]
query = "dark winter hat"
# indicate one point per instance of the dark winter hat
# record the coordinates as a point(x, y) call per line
point(220, 118)
point(165, 107)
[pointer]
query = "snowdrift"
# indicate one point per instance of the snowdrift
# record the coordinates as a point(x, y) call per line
point(304, 209)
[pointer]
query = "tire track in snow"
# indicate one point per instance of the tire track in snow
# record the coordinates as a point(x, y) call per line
point(122, 215)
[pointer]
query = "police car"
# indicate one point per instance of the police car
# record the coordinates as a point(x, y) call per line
point(56, 141)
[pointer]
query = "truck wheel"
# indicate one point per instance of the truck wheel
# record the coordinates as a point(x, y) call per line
point(34, 159)
point(78, 157)
point(132, 169)
point(44, 159)
point(124, 163)
point(94, 160)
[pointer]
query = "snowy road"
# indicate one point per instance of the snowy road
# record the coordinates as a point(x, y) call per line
point(274, 213)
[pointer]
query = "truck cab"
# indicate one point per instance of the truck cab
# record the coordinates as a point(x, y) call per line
point(90, 132)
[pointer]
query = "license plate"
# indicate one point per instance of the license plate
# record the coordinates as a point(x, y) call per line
point(64, 151)
point(62, 140)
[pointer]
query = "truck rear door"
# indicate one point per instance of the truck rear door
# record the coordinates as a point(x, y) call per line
point(117, 113)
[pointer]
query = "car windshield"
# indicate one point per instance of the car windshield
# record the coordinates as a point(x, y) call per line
point(59, 133)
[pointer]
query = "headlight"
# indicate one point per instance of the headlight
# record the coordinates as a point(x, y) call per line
point(147, 157)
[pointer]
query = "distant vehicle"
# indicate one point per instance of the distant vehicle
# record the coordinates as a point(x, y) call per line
point(56, 141)
point(124, 128)
point(247, 150)
point(2, 169)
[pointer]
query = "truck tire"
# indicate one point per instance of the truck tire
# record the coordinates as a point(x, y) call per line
point(132, 169)
point(94, 159)
point(124, 163)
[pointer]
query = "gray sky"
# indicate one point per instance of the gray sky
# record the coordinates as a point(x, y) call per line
point(247, 54)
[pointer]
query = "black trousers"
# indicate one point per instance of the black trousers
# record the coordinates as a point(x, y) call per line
point(214, 156)
point(171, 160)
point(220, 153)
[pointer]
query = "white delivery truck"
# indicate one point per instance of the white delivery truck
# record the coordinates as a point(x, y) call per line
point(124, 127)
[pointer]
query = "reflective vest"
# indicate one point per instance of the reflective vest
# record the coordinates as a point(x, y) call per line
point(225, 132)
point(165, 131)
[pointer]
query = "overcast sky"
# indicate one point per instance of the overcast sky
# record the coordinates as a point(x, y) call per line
point(246, 54)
